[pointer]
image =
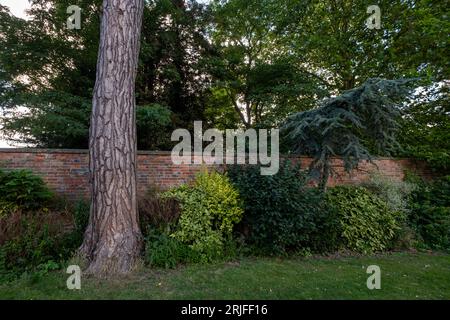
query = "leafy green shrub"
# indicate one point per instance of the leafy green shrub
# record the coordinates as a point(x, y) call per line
point(430, 214)
point(367, 223)
point(281, 212)
point(210, 207)
point(164, 251)
point(24, 189)
point(395, 193)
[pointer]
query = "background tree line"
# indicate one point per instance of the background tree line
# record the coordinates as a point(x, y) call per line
point(232, 64)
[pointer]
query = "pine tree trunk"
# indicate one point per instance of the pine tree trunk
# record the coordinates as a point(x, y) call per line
point(112, 241)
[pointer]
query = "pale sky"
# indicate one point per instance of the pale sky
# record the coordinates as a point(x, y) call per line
point(17, 7)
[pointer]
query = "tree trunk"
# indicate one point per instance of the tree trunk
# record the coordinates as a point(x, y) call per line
point(112, 241)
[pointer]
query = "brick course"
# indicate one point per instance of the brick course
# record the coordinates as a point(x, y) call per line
point(67, 171)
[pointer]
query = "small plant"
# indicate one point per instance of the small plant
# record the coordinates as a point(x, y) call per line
point(30, 240)
point(7, 208)
point(24, 189)
point(164, 251)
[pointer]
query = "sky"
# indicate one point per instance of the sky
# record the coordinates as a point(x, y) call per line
point(17, 7)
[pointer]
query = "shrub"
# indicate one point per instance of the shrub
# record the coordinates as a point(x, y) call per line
point(157, 212)
point(396, 194)
point(210, 207)
point(367, 223)
point(430, 214)
point(32, 239)
point(281, 212)
point(164, 251)
point(23, 188)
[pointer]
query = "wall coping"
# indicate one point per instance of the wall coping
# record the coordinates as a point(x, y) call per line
point(165, 153)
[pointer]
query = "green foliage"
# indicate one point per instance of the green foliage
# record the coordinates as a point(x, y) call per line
point(430, 214)
point(7, 208)
point(80, 214)
point(251, 70)
point(425, 131)
point(31, 240)
point(282, 213)
point(347, 125)
point(158, 213)
point(209, 210)
point(396, 194)
point(164, 251)
point(367, 224)
point(24, 189)
point(58, 109)
point(149, 120)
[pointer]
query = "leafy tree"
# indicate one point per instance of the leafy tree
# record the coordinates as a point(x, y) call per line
point(425, 131)
point(50, 71)
point(150, 119)
point(262, 86)
point(331, 39)
point(347, 125)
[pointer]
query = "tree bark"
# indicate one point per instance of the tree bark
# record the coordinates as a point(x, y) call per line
point(112, 241)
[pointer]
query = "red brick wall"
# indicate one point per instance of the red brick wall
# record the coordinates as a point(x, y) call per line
point(67, 171)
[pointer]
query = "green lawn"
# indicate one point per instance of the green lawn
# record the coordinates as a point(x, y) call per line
point(404, 276)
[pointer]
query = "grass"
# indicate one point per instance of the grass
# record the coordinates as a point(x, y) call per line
point(404, 276)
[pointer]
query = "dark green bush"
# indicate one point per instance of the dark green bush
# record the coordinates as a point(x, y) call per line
point(30, 240)
point(81, 213)
point(164, 251)
point(24, 189)
point(282, 213)
point(37, 240)
point(430, 214)
point(366, 222)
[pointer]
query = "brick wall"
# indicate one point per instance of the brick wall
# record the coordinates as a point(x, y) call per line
point(67, 171)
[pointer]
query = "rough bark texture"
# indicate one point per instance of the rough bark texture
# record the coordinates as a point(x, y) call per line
point(112, 240)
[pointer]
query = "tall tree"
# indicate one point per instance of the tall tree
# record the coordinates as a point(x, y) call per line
point(345, 126)
point(262, 83)
point(113, 239)
point(331, 38)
